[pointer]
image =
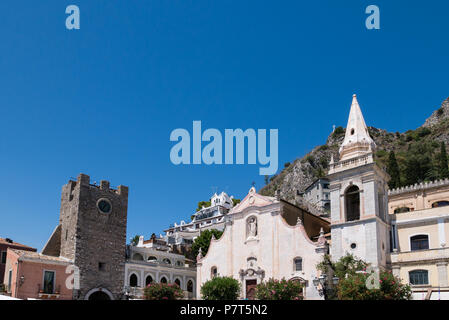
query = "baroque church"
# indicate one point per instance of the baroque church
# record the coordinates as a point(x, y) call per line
point(403, 230)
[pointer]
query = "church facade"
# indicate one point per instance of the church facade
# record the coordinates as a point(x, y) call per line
point(266, 237)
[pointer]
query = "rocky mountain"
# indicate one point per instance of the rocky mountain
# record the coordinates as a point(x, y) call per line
point(416, 151)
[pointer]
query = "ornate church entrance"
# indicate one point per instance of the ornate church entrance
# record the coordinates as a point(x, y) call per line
point(251, 289)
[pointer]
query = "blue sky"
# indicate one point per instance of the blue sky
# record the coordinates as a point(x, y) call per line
point(103, 100)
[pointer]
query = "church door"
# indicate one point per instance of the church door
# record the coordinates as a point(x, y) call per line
point(251, 289)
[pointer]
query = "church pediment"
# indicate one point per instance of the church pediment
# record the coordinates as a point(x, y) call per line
point(253, 199)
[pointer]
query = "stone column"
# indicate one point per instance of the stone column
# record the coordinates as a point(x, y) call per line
point(442, 274)
point(397, 272)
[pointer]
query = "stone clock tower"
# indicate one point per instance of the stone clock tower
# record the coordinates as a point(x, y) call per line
point(359, 197)
point(92, 234)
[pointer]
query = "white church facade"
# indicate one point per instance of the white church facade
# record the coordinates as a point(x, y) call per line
point(266, 237)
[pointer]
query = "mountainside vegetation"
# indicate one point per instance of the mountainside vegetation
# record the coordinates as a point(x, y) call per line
point(411, 157)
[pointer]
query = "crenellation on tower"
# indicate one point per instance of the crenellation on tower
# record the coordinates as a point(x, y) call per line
point(93, 234)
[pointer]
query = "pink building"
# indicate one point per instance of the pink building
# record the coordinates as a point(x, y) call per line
point(36, 276)
point(4, 245)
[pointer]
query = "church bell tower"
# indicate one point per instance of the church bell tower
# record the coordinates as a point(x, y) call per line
point(359, 196)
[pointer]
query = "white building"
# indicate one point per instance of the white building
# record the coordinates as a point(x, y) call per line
point(211, 217)
point(266, 237)
point(149, 262)
point(318, 194)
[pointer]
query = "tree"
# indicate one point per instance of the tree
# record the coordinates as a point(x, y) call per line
point(220, 288)
point(393, 171)
point(418, 163)
point(202, 204)
point(163, 291)
point(443, 170)
point(134, 240)
point(203, 241)
point(235, 201)
point(353, 277)
point(267, 179)
point(279, 290)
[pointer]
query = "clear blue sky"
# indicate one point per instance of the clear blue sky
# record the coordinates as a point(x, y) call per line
point(103, 100)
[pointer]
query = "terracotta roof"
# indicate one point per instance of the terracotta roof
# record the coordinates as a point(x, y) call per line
point(3, 241)
point(39, 257)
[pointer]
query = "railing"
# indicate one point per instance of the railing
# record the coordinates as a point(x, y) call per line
point(161, 263)
point(368, 158)
point(46, 294)
point(420, 255)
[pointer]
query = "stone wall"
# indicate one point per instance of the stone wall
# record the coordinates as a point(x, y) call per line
point(94, 240)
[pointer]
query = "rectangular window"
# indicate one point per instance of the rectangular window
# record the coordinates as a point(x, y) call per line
point(49, 282)
point(3, 257)
point(419, 277)
point(9, 280)
point(101, 266)
point(420, 242)
point(298, 264)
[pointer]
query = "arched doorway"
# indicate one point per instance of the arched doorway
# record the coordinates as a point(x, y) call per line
point(99, 295)
point(133, 280)
point(148, 280)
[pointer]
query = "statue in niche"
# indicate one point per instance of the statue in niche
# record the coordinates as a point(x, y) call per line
point(251, 228)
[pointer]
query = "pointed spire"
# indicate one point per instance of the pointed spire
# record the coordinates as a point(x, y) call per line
point(357, 140)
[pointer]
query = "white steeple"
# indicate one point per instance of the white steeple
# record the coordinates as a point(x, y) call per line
point(357, 141)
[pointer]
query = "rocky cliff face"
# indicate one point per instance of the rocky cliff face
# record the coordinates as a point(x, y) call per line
point(303, 171)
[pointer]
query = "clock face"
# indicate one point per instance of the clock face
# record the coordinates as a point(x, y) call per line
point(104, 206)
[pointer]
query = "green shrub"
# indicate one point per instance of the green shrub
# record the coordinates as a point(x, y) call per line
point(338, 131)
point(279, 290)
point(221, 288)
point(163, 291)
point(354, 287)
point(203, 241)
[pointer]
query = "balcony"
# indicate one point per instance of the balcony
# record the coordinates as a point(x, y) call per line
point(439, 254)
point(48, 294)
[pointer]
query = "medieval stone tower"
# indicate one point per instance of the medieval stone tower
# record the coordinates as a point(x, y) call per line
point(359, 217)
point(92, 233)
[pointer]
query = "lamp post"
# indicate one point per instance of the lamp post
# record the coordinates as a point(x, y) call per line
point(324, 285)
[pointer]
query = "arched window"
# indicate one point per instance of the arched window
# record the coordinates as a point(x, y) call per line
point(440, 204)
point(148, 280)
point(419, 242)
point(138, 257)
point(178, 282)
point(133, 280)
point(402, 210)
point(352, 201)
point(152, 259)
point(167, 261)
point(419, 277)
point(179, 263)
point(297, 264)
point(163, 280)
point(213, 272)
point(190, 286)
